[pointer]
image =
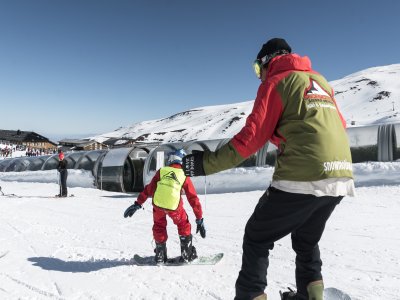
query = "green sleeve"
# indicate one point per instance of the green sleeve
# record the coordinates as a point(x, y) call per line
point(224, 158)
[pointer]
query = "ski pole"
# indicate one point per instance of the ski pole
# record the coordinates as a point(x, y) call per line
point(59, 181)
point(205, 192)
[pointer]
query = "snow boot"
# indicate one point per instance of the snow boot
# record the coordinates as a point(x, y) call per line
point(291, 295)
point(160, 253)
point(315, 290)
point(188, 251)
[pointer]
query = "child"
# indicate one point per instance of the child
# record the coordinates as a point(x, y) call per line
point(166, 188)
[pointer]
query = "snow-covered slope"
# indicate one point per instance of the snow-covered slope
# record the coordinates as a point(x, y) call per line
point(82, 247)
point(211, 122)
point(370, 96)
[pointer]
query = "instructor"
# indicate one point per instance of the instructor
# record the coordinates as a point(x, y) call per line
point(295, 110)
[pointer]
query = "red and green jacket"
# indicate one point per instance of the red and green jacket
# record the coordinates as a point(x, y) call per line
point(294, 109)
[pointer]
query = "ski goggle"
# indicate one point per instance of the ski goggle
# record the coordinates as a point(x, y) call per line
point(261, 62)
point(258, 64)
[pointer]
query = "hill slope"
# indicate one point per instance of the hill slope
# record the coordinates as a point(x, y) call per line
point(371, 96)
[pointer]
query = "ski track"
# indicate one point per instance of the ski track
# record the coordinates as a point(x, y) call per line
point(32, 288)
point(186, 285)
point(4, 254)
point(181, 283)
point(86, 240)
point(22, 236)
point(33, 249)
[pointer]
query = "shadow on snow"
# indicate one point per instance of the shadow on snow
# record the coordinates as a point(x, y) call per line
point(56, 264)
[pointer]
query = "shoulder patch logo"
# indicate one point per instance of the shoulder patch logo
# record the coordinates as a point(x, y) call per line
point(315, 97)
point(316, 89)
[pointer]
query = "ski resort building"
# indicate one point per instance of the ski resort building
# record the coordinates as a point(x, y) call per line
point(26, 138)
point(128, 169)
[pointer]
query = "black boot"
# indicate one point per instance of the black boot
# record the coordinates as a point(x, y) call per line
point(161, 252)
point(188, 251)
point(291, 295)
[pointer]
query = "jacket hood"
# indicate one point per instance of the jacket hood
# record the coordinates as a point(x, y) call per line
point(288, 62)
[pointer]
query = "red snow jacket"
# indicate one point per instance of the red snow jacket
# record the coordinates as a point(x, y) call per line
point(294, 109)
point(188, 187)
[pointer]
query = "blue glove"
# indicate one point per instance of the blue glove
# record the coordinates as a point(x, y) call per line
point(132, 209)
point(192, 164)
point(201, 228)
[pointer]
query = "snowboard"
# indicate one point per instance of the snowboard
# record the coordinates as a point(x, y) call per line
point(58, 196)
point(332, 294)
point(11, 196)
point(8, 195)
point(175, 261)
point(335, 294)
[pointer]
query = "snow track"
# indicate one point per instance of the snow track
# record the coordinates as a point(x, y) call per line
point(82, 247)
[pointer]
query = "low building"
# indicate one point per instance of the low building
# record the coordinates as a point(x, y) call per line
point(29, 139)
point(83, 144)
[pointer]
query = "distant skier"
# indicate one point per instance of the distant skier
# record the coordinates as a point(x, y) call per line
point(295, 110)
point(166, 188)
point(62, 169)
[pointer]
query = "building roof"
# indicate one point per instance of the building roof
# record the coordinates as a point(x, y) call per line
point(20, 136)
point(73, 141)
point(76, 142)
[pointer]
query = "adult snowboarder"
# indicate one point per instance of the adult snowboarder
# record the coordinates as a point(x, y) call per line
point(295, 110)
point(63, 172)
point(166, 188)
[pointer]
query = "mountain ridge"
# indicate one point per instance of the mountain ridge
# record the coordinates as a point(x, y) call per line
point(370, 96)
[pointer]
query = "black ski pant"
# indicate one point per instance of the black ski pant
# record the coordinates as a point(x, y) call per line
point(63, 182)
point(276, 215)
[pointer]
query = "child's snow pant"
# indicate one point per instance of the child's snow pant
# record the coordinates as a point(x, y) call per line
point(178, 216)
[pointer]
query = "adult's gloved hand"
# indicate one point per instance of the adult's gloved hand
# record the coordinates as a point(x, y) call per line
point(192, 164)
point(132, 209)
point(201, 228)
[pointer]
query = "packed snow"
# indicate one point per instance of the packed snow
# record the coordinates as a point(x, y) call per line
point(82, 248)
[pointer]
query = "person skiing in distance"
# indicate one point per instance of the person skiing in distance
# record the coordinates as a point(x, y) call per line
point(295, 110)
point(62, 169)
point(166, 190)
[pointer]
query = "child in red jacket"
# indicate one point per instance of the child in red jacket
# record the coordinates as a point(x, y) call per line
point(166, 188)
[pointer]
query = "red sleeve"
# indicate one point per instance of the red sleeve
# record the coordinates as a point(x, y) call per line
point(341, 118)
point(191, 195)
point(261, 123)
point(337, 109)
point(149, 189)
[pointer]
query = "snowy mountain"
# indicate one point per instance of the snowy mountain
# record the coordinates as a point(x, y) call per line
point(371, 96)
point(211, 122)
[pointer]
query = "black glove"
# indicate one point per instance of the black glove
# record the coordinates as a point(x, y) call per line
point(192, 164)
point(201, 228)
point(132, 209)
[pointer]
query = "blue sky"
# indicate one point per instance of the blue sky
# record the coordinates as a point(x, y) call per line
point(72, 68)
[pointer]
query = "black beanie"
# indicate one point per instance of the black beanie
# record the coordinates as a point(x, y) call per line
point(273, 46)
